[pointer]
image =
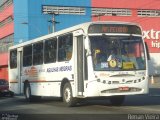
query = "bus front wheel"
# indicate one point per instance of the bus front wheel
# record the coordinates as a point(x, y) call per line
point(67, 95)
point(117, 100)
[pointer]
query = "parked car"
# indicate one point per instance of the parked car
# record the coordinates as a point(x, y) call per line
point(4, 88)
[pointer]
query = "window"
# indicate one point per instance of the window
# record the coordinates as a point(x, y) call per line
point(27, 56)
point(50, 50)
point(6, 21)
point(116, 53)
point(38, 53)
point(5, 43)
point(5, 3)
point(13, 59)
point(65, 45)
point(111, 12)
point(64, 10)
point(149, 13)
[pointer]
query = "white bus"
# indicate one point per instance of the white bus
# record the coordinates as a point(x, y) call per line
point(94, 59)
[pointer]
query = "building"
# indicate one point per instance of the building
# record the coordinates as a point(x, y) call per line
point(23, 20)
point(6, 34)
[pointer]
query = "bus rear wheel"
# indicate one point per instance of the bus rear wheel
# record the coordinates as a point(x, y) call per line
point(27, 92)
point(67, 95)
point(28, 96)
point(117, 100)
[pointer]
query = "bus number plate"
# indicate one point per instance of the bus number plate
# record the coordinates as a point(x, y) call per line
point(124, 88)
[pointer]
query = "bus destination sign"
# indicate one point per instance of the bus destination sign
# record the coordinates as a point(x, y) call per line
point(114, 28)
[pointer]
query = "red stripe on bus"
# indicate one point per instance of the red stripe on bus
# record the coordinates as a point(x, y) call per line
point(38, 81)
point(13, 82)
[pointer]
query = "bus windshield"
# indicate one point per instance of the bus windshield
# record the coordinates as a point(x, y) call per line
point(117, 53)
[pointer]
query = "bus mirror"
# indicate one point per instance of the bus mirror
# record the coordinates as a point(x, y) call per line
point(86, 42)
point(78, 33)
point(88, 53)
point(147, 51)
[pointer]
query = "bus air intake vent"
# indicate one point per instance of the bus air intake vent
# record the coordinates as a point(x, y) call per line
point(118, 90)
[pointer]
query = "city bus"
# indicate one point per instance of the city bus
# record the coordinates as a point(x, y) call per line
point(92, 60)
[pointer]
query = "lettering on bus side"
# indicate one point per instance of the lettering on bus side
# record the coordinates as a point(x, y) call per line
point(59, 69)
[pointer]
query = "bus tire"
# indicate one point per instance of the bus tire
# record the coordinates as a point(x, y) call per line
point(27, 92)
point(117, 100)
point(29, 97)
point(67, 95)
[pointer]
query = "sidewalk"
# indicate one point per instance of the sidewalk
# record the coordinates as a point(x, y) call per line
point(154, 82)
point(154, 86)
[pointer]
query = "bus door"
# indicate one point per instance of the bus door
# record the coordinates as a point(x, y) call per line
point(19, 70)
point(79, 65)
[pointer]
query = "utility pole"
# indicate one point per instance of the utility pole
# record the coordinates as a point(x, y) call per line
point(99, 16)
point(53, 21)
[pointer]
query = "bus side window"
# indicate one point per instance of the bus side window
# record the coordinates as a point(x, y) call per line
point(38, 53)
point(65, 46)
point(27, 56)
point(50, 50)
point(13, 59)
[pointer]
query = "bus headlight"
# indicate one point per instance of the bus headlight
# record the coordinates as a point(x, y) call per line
point(104, 81)
point(98, 80)
point(139, 80)
point(135, 81)
point(109, 82)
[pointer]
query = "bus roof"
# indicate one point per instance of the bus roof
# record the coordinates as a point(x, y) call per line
point(83, 26)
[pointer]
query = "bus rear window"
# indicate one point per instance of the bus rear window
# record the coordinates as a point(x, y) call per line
point(13, 59)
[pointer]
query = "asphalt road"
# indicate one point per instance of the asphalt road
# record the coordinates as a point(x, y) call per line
point(139, 104)
point(149, 103)
point(90, 109)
